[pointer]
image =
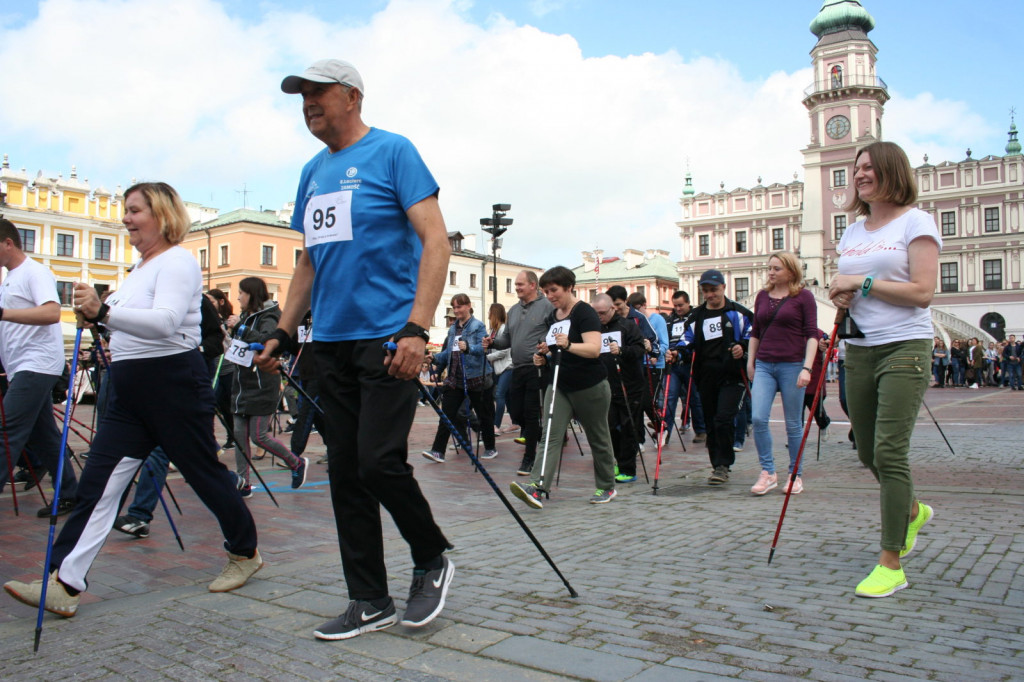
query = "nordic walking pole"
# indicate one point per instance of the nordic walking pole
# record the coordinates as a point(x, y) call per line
point(551, 412)
point(689, 387)
point(57, 482)
point(390, 347)
point(167, 511)
point(661, 430)
point(938, 427)
point(632, 418)
point(465, 397)
point(840, 314)
point(249, 460)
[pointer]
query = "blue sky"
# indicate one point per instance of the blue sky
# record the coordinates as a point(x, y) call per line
point(582, 114)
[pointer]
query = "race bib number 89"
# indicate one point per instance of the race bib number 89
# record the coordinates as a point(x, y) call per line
point(328, 219)
point(713, 328)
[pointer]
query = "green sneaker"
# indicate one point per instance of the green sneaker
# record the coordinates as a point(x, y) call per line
point(924, 515)
point(882, 582)
point(603, 496)
point(625, 478)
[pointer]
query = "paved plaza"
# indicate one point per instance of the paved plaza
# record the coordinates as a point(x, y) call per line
point(671, 587)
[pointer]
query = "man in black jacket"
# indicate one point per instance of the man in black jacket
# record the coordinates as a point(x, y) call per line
point(621, 347)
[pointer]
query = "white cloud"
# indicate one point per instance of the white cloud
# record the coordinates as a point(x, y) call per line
point(589, 151)
point(941, 128)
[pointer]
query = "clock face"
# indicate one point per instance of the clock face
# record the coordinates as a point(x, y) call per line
point(837, 127)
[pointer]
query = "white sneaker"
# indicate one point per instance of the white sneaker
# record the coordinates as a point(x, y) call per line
point(973, 385)
point(663, 438)
point(824, 434)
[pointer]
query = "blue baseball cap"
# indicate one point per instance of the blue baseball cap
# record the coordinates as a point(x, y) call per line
point(712, 277)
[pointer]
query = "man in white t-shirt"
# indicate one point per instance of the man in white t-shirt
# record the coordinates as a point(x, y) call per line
point(32, 351)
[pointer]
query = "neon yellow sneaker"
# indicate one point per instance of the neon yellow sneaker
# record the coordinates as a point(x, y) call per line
point(924, 515)
point(882, 582)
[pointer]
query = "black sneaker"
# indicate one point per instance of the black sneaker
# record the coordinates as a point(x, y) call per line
point(529, 493)
point(525, 467)
point(132, 526)
point(299, 473)
point(359, 617)
point(719, 476)
point(427, 594)
point(64, 506)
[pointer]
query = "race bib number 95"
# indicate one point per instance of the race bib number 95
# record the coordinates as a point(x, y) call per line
point(328, 219)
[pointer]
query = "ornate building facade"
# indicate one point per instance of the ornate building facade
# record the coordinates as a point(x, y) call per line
point(649, 272)
point(978, 204)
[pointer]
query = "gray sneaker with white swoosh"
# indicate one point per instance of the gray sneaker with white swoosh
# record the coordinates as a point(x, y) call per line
point(427, 594)
point(359, 617)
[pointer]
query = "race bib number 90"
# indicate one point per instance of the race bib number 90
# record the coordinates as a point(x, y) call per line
point(328, 219)
point(239, 353)
point(557, 328)
point(713, 328)
point(608, 338)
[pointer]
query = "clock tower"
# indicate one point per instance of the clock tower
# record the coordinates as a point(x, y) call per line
point(844, 104)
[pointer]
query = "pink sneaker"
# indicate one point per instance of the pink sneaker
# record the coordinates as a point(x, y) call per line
point(765, 482)
point(798, 485)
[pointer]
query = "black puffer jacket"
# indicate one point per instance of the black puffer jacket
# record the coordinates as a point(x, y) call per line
point(255, 392)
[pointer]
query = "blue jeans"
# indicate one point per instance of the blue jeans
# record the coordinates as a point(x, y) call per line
point(147, 491)
point(771, 378)
point(677, 386)
point(1011, 374)
point(501, 384)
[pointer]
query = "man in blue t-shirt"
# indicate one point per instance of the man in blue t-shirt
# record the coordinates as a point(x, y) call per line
point(373, 232)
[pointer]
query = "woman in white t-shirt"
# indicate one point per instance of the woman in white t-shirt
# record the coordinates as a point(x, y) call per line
point(161, 395)
point(888, 263)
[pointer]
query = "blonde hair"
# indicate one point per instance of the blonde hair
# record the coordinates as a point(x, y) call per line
point(791, 264)
point(167, 207)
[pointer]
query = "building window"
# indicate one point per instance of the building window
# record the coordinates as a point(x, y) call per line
point(741, 241)
point(66, 292)
point(742, 287)
point(65, 245)
point(839, 226)
point(642, 290)
point(298, 255)
point(472, 281)
point(452, 278)
point(704, 244)
point(101, 289)
point(778, 240)
point(204, 259)
point(223, 255)
point(948, 223)
point(836, 76)
point(508, 285)
point(950, 277)
point(28, 240)
point(993, 274)
point(492, 283)
point(267, 254)
point(839, 178)
point(991, 220)
point(101, 249)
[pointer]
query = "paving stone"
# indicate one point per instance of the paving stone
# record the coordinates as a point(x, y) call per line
point(467, 638)
point(564, 659)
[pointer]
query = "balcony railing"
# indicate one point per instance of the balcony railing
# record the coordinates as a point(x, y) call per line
point(847, 81)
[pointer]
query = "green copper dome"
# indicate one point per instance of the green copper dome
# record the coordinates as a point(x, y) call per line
point(688, 189)
point(841, 15)
point(1013, 146)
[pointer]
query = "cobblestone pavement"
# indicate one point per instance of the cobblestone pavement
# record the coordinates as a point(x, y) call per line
point(671, 587)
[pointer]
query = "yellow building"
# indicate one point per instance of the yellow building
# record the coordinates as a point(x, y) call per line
point(246, 243)
point(70, 227)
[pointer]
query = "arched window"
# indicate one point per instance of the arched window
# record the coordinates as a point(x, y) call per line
point(836, 72)
point(994, 324)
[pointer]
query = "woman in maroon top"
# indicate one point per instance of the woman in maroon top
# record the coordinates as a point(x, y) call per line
point(783, 344)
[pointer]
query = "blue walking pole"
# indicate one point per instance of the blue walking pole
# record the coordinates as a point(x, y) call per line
point(56, 485)
point(465, 398)
point(160, 497)
point(391, 347)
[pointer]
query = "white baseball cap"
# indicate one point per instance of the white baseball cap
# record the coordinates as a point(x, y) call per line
point(325, 71)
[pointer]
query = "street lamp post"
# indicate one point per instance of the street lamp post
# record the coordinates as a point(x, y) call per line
point(496, 226)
